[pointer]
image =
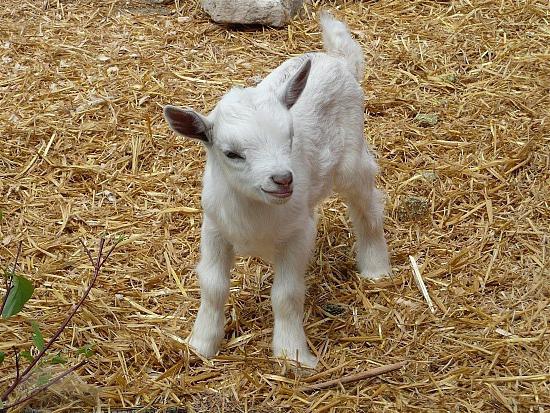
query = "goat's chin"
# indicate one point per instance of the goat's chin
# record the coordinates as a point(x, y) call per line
point(275, 200)
point(263, 197)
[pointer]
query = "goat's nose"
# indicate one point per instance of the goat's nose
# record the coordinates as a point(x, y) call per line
point(282, 179)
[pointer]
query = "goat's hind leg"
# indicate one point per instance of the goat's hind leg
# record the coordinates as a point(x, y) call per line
point(366, 209)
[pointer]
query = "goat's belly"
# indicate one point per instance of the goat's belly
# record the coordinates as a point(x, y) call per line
point(247, 241)
point(260, 249)
point(254, 251)
point(257, 235)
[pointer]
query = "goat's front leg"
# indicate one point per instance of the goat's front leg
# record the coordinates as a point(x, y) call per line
point(216, 260)
point(287, 298)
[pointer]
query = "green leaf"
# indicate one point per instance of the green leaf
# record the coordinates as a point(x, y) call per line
point(2, 356)
point(20, 293)
point(58, 359)
point(37, 337)
point(27, 355)
point(86, 350)
point(1, 404)
point(1, 215)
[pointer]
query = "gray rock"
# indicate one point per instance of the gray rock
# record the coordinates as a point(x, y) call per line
point(268, 12)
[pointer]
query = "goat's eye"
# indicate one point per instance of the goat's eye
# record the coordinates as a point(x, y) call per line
point(233, 155)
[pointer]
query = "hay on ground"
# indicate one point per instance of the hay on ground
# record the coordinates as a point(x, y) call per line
point(457, 99)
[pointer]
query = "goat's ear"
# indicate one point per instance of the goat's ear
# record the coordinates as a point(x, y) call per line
point(296, 85)
point(188, 123)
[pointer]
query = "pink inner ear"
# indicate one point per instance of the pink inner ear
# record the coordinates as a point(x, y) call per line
point(186, 122)
point(297, 84)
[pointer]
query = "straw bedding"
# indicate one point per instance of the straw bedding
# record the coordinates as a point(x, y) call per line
point(457, 108)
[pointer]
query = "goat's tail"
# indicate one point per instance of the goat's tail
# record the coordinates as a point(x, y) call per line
point(338, 42)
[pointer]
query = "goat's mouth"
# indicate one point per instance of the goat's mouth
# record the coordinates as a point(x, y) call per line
point(281, 193)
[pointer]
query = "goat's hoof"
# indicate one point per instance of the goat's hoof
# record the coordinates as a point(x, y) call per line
point(375, 271)
point(375, 275)
point(205, 347)
point(305, 359)
point(309, 361)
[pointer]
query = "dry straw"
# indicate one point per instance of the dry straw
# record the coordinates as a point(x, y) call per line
point(457, 107)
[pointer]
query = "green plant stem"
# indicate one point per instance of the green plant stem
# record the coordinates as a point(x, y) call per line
point(44, 387)
point(9, 284)
point(97, 268)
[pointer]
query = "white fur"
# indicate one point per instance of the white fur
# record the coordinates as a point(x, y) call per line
point(327, 152)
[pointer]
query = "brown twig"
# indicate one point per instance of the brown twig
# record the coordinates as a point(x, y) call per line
point(9, 283)
point(97, 268)
point(8, 288)
point(16, 363)
point(19, 247)
point(354, 377)
point(87, 251)
point(90, 255)
point(44, 387)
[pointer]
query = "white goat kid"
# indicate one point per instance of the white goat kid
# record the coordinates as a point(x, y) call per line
point(274, 152)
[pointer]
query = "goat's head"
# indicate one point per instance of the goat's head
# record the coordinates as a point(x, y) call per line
point(249, 134)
